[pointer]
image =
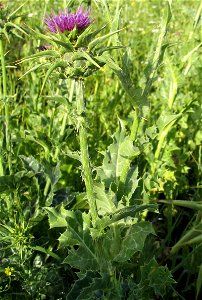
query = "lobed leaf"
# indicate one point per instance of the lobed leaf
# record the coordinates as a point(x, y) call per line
point(133, 240)
point(56, 218)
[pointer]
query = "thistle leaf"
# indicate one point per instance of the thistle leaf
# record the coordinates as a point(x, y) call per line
point(36, 67)
point(56, 218)
point(45, 53)
point(10, 24)
point(156, 278)
point(81, 54)
point(65, 44)
point(87, 36)
point(117, 154)
point(134, 240)
point(101, 39)
point(123, 213)
point(131, 211)
point(31, 164)
point(89, 286)
point(105, 199)
point(77, 233)
point(58, 64)
point(107, 59)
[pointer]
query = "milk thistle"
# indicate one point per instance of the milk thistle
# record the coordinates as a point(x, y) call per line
point(62, 24)
point(75, 52)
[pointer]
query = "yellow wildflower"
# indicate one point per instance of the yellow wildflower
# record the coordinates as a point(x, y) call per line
point(9, 271)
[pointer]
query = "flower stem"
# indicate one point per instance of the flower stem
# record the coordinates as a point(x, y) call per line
point(84, 150)
point(4, 94)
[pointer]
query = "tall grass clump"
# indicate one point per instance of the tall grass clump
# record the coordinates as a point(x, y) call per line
point(100, 160)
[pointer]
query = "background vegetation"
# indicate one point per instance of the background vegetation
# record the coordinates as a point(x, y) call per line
point(154, 251)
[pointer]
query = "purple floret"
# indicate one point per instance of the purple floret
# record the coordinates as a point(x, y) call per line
point(67, 22)
point(82, 18)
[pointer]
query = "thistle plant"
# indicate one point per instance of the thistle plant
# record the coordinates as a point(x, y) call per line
point(112, 232)
point(66, 23)
point(83, 158)
point(75, 52)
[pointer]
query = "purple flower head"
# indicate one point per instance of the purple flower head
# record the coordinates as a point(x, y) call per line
point(68, 21)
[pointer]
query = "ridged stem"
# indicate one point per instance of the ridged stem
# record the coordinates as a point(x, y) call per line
point(85, 160)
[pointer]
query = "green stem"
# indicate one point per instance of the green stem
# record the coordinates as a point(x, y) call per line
point(133, 135)
point(84, 150)
point(4, 94)
point(134, 130)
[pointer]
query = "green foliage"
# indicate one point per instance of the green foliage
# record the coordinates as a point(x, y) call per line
point(142, 68)
point(154, 281)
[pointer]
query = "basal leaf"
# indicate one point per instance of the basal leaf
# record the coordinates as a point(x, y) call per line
point(96, 288)
point(83, 258)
